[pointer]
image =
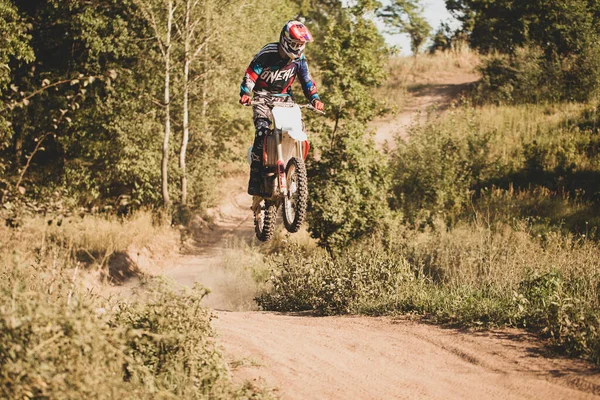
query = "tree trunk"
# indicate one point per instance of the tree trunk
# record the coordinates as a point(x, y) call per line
point(205, 85)
point(186, 94)
point(165, 148)
point(18, 147)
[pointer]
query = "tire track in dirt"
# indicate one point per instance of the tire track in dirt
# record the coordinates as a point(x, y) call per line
point(308, 357)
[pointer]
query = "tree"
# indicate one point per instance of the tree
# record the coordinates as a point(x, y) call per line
point(348, 189)
point(442, 38)
point(107, 144)
point(406, 16)
point(561, 27)
point(202, 22)
point(87, 156)
point(160, 15)
point(565, 31)
point(14, 48)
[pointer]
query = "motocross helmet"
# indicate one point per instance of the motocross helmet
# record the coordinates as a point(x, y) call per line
point(293, 39)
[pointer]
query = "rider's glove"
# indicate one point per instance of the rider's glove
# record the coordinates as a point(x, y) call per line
point(318, 104)
point(245, 100)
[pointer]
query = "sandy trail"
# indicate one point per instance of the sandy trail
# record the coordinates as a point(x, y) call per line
point(422, 99)
point(307, 357)
point(209, 258)
point(379, 358)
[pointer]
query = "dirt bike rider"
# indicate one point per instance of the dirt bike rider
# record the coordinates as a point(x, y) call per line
point(273, 70)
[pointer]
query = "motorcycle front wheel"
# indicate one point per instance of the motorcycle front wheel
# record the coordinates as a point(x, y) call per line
point(294, 204)
point(265, 217)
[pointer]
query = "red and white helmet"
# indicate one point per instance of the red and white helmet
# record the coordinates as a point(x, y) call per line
point(293, 38)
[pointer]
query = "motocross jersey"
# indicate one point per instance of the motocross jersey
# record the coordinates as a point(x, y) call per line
point(269, 72)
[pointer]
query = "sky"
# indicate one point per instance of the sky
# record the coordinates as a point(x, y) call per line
point(435, 12)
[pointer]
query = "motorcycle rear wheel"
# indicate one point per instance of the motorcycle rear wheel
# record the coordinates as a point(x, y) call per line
point(294, 204)
point(265, 217)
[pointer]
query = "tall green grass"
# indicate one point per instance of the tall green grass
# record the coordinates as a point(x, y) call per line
point(452, 161)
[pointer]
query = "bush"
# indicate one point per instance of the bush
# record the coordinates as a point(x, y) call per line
point(55, 343)
point(529, 76)
point(436, 171)
point(472, 275)
point(61, 341)
point(170, 345)
point(557, 306)
point(348, 189)
point(331, 286)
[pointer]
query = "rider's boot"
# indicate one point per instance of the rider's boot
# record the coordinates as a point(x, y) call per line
point(256, 168)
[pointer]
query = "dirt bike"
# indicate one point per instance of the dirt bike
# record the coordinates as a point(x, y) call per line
point(285, 149)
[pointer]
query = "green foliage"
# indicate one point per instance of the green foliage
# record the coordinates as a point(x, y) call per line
point(352, 58)
point(436, 171)
point(15, 40)
point(332, 286)
point(108, 142)
point(348, 184)
point(542, 159)
point(560, 35)
point(14, 48)
point(472, 275)
point(170, 346)
point(442, 38)
point(50, 344)
point(554, 305)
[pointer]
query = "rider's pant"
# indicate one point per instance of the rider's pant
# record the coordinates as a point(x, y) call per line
point(262, 122)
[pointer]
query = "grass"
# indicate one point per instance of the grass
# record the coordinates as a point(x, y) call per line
point(473, 275)
point(109, 246)
point(543, 153)
point(61, 340)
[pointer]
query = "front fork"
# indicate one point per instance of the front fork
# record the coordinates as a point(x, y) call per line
point(280, 167)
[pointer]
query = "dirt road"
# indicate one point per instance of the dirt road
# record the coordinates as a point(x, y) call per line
point(422, 100)
point(306, 357)
point(378, 358)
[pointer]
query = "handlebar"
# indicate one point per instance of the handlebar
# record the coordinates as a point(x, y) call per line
point(282, 104)
point(268, 99)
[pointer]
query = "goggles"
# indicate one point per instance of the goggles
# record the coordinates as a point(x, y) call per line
point(295, 45)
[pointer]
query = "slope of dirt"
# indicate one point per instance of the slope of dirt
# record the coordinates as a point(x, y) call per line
point(380, 358)
point(206, 259)
point(306, 357)
point(423, 99)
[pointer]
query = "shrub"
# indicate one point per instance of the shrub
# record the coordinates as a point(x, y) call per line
point(332, 285)
point(169, 345)
point(529, 76)
point(472, 275)
point(55, 343)
point(348, 189)
point(61, 341)
point(437, 169)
